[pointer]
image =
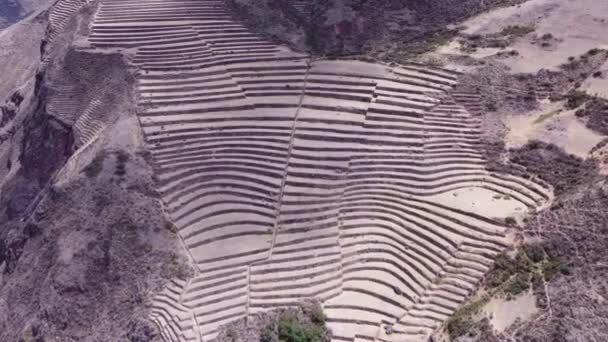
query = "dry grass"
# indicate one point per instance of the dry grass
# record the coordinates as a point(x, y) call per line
point(542, 118)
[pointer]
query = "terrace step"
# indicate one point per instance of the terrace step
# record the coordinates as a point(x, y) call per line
point(289, 179)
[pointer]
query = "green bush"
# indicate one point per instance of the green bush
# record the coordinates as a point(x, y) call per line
point(267, 334)
point(503, 269)
point(317, 316)
point(291, 330)
point(517, 30)
point(519, 284)
point(535, 253)
point(576, 99)
point(554, 267)
point(459, 327)
point(511, 221)
point(504, 263)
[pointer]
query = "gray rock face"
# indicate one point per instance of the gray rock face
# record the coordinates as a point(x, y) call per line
point(10, 12)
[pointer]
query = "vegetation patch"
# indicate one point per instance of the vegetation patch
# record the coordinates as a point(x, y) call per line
point(565, 172)
point(498, 40)
point(542, 118)
point(510, 276)
point(596, 113)
point(514, 276)
point(121, 163)
point(463, 322)
point(459, 326)
point(95, 167)
point(517, 285)
point(404, 52)
point(516, 30)
point(290, 328)
point(576, 98)
point(505, 3)
point(305, 323)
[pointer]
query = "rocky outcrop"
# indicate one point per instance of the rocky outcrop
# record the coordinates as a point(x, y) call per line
point(10, 12)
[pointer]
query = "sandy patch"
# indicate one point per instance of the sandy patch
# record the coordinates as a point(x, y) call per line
point(454, 48)
point(525, 14)
point(598, 86)
point(552, 124)
point(503, 313)
point(579, 25)
point(123, 134)
point(481, 201)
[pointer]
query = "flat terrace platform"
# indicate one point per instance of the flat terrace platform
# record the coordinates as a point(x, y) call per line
point(290, 179)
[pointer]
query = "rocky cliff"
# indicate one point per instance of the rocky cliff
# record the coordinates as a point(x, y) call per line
point(83, 239)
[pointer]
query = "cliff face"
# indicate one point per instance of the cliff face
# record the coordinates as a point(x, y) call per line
point(83, 239)
point(10, 12)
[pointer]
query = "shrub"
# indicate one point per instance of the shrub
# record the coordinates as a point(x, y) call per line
point(535, 253)
point(95, 167)
point(122, 157)
point(232, 335)
point(503, 268)
point(317, 315)
point(120, 170)
point(554, 267)
point(267, 334)
point(597, 74)
point(519, 284)
point(459, 327)
point(121, 161)
point(554, 166)
point(517, 30)
point(491, 106)
point(576, 99)
point(291, 330)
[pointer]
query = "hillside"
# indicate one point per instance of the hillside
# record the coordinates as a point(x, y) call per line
point(203, 170)
point(376, 29)
point(12, 11)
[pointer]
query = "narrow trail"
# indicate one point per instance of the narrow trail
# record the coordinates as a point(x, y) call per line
point(281, 189)
point(547, 297)
point(289, 149)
